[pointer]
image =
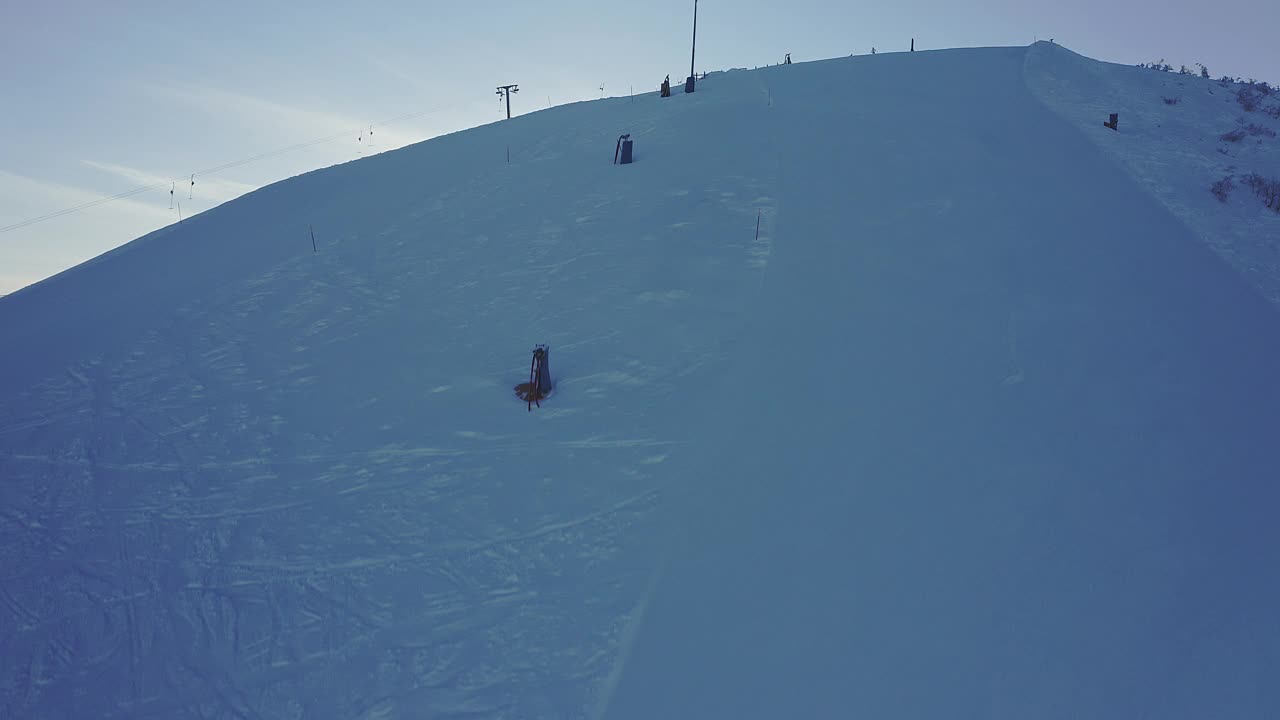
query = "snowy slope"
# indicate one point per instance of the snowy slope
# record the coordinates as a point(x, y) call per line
point(976, 426)
point(1171, 141)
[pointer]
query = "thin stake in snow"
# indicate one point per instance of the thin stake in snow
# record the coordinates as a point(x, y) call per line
point(1015, 377)
point(313, 239)
point(758, 225)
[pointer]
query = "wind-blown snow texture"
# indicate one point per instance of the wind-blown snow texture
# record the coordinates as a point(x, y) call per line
point(977, 427)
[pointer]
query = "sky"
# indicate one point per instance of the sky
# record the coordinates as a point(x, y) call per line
point(99, 99)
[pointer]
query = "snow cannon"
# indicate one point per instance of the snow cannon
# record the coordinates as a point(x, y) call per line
point(622, 151)
point(539, 385)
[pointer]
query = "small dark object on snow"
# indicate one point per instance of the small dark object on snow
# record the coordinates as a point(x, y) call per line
point(539, 385)
point(666, 87)
point(1113, 122)
point(788, 60)
point(622, 151)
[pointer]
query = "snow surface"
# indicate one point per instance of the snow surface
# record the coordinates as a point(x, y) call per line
point(977, 426)
point(1176, 150)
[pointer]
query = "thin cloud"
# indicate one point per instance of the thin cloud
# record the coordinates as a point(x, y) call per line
point(35, 252)
point(211, 188)
point(300, 123)
point(401, 72)
point(24, 195)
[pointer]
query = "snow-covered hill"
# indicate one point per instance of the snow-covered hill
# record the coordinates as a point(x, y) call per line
point(1179, 135)
point(975, 425)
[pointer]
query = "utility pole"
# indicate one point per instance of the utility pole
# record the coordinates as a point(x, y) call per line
point(504, 91)
point(688, 86)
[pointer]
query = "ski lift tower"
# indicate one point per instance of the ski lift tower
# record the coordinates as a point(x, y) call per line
point(504, 92)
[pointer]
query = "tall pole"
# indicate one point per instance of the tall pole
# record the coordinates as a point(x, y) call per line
point(694, 53)
point(504, 91)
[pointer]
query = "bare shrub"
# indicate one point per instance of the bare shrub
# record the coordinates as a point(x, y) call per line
point(1244, 130)
point(1248, 98)
point(1267, 189)
point(1222, 188)
point(1257, 130)
point(1170, 101)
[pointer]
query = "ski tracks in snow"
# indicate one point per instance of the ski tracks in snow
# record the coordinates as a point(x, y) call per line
point(312, 493)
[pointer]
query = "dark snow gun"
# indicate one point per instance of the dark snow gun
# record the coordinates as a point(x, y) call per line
point(622, 151)
point(539, 385)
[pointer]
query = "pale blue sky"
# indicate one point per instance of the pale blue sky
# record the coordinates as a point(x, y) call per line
point(99, 98)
